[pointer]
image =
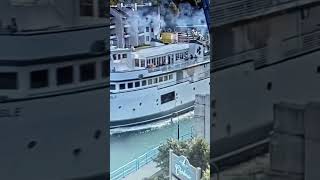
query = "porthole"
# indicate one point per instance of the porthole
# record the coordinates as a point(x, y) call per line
point(269, 86)
point(97, 134)
point(119, 107)
point(194, 88)
point(133, 109)
point(77, 151)
point(140, 104)
point(32, 144)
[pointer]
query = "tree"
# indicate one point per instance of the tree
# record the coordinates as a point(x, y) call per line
point(199, 154)
point(196, 150)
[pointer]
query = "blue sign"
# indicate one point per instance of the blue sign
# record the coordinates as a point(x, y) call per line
point(181, 168)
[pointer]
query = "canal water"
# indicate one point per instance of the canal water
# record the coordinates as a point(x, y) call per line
point(126, 144)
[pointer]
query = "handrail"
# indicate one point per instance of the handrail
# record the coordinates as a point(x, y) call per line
point(142, 160)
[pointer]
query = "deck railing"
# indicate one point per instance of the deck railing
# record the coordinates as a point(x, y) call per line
point(141, 161)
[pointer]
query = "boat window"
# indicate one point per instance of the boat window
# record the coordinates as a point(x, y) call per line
point(122, 86)
point(39, 79)
point(112, 87)
point(155, 80)
point(124, 55)
point(143, 63)
point(114, 57)
point(8, 80)
point(86, 7)
point(130, 85)
point(160, 79)
point(137, 84)
point(87, 72)
point(167, 97)
point(170, 76)
point(144, 82)
point(102, 8)
point(136, 62)
point(105, 68)
point(64, 75)
point(165, 78)
point(149, 81)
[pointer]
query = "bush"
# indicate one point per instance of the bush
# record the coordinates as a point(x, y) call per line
point(196, 150)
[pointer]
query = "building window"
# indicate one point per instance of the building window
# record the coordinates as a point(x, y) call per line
point(119, 56)
point(137, 84)
point(112, 87)
point(155, 80)
point(105, 68)
point(160, 79)
point(147, 29)
point(8, 80)
point(124, 55)
point(39, 79)
point(170, 76)
point(87, 72)
point(151, 29)
point(86, 7)
point(147, 38)
point(167, 97)
point(144, 82)
point(130, 85)
point(64, 75)
point(136, 62)
point(122, 86)
point(149, 81)
point(114, 57)
point(143, 63)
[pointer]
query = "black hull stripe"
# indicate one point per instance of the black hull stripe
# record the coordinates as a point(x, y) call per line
point(236, 141)
point(182, 109)
point(50, 60)
point(48, 31)
point(266, 65)
point(60, 94)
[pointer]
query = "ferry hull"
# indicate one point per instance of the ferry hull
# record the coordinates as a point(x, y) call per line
point(59, 136)
point(244, 100)
point(151, 108)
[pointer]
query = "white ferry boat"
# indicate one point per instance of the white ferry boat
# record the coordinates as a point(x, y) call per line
point(149, 84)
point(53, 90)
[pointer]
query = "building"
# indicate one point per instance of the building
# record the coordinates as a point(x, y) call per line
point(134, 25)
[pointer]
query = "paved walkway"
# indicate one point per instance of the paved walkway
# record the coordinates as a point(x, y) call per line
point(144, 172)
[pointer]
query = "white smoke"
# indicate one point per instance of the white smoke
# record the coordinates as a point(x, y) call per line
point(140, 19)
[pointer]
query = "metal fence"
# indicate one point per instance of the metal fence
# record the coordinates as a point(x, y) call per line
point(141, 161)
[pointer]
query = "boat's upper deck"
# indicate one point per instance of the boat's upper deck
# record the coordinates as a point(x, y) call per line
point(32, 30)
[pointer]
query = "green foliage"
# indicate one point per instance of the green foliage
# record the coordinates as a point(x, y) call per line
point(199, 153)
point(113, 2)
point(206, 174)
point(196, 150)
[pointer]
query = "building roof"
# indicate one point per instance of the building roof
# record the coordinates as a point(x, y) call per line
point(158, 50)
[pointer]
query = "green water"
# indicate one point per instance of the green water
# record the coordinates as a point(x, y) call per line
point(133, 142)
